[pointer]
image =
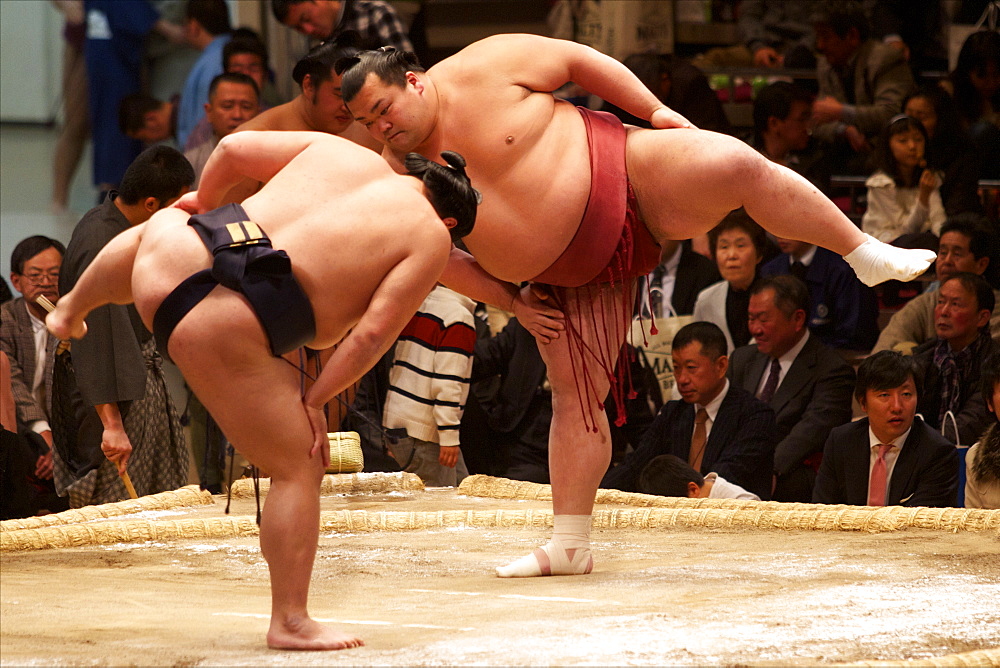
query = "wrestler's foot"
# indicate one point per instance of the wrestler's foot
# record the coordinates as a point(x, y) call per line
point(64, 327)
point(875, 261)
point(550, 559)
point(308, 634)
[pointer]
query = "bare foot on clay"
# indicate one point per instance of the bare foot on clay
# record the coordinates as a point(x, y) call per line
point(63, 327)
point(309, 635)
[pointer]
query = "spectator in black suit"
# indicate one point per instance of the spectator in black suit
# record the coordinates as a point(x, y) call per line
point(782, 113)
point(889, 458)
point(811, 393)
point(677, 280)
point(716, 427)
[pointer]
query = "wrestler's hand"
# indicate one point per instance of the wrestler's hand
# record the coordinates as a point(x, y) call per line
point(535, 315)
point(117, 448)
point(189, 203)
point(321, 443)
point(665, 117)
point(448, 456)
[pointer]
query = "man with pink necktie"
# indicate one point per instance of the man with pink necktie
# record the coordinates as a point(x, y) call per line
point(891, 457)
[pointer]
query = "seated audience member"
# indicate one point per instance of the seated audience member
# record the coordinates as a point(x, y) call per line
point(778, 33)
point(737, 244)
point(319, 107)
point(428, 386)
point(31, 350)
point(967, 245)
point(861, 84)
point(806, 383)
point(843, 311)
point(245, 54)
point(904, 196)
point(715, 426)
point(679, 85)
point(951, 364)
point(975, 85)
point(206, 28)
point(668, 475)
point(675, 283)
point(948, 148)
point(141, 116)
point(982, 461)
point(890, 457)
point(781, 124)
point(233, 99)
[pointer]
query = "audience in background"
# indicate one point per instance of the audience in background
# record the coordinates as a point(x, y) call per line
point(891, 457)
point(673, 287)
point(375, 20)
point(737, 244)
point(862, 83)
point(975, 85)
point(982, 461)
point(952, 362)
point(233, 99)
point(782, 116)
point(668, 475)
point(206, 28)
point(904, 197)
point(807, 384)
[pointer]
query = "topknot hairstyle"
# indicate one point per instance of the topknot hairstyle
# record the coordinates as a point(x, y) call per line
point(321, 59)
point(388, 63)
point(448, 188)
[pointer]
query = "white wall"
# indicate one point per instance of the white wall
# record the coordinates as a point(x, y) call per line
point(30, 60)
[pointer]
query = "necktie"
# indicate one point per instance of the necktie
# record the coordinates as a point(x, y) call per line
point(772, 382)
point(698, 439)
point(655, 285)
point(876, 484)
point(799, 270)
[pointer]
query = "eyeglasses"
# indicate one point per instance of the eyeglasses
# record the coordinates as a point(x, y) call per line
point(42, 277)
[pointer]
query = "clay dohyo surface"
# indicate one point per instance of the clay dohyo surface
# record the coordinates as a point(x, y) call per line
point(656, 597)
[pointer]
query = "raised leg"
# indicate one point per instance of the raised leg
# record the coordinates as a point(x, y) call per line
point(721, 173)
point(266, 422)
point(578, 455)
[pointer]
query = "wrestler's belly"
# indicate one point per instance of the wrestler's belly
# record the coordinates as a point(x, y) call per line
point(532, 208)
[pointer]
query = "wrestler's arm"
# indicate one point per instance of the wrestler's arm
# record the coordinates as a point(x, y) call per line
point(396, 299)
point(464, 275)
point(545, 64)
point(251, 155)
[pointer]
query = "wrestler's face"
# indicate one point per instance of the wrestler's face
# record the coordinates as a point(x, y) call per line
point(397, 116)
point(39, 276)
point(313, 18)
point(230, 106)
point(249, 64)
point(699, 377)
point(326, 109)
point(737, 257)
point(957, 316)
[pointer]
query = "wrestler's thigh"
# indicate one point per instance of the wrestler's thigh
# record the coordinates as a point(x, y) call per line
point(599, 319)
point(686, 181)
point(254, 397)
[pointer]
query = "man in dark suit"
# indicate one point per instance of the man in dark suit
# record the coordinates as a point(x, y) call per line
point(716, 427)
point(807, 384)
point(677, 280)
point(888, 458)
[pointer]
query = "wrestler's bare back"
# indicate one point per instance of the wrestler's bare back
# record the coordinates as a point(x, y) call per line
point(345, 220)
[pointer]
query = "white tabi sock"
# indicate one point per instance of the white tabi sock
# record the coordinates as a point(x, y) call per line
point(875, 261)
point(568, 553)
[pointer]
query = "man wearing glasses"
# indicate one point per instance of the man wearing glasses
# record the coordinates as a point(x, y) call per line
point(34, 272)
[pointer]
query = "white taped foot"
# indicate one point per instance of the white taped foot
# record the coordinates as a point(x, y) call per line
point(875, 262)
point(551, 559)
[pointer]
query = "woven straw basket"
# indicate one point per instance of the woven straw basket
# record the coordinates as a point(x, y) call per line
point(345, 452)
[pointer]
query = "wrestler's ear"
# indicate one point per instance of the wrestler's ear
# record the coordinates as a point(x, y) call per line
point(449, 222)
point(413, 80)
